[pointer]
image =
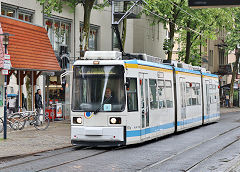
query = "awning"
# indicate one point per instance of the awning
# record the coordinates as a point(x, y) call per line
point(30, 48)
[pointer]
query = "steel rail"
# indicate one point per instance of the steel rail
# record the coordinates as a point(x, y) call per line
point(149, 166)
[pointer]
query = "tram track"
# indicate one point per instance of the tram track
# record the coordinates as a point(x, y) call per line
point(209, 156)
point(35, 155)
point(43, 156)
point(67, 162)
point(152, 165)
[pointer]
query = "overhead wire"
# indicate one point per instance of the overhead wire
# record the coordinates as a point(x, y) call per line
point(189, 14)
point(167, 20)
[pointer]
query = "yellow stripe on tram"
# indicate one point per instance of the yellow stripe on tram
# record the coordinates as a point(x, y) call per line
point(147, 67)
point(190, 74)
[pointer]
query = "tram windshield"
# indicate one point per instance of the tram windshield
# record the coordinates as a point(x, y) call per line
point(98, 88)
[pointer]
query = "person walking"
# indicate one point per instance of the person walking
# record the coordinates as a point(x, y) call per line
point(227, 100)
point(38, 101)
point(11, 105)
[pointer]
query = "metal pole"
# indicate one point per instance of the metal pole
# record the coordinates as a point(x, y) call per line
point(44, 92)
point(5, 104)
point(32, 93)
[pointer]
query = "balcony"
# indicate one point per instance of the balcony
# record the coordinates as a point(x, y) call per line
point(119, 10)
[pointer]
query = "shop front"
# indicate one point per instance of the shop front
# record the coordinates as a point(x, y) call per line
point(57, 96)
point(32, 58)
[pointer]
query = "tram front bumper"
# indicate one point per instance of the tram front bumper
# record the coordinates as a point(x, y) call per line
point(98, 136)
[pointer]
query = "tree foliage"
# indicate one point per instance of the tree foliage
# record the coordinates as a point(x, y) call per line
point(233, 42)
point(194, 26)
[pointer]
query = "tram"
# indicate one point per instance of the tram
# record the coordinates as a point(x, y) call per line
point(127, 99)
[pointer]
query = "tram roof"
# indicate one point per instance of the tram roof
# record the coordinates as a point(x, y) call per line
point(187, 70)
point(146, 63)
point(209, 74)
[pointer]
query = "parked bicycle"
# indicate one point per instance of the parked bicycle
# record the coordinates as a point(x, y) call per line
point(39, 121)
point(13, 121)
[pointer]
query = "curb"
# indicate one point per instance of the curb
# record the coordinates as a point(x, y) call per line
point(13, 157)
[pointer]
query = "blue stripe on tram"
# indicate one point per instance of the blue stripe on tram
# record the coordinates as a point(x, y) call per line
point(135, 133)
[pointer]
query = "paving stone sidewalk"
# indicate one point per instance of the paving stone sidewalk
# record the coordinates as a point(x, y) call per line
point(224, 110)
point(29, 140)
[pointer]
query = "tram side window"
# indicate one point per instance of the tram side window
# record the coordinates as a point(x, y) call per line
point(196, 99)
point(168, 93)
point(153, 94)
point(194, 95)
point(132, 101)
point(188, 94)
point(161, 94)
point(211, 93)
point(197, 93)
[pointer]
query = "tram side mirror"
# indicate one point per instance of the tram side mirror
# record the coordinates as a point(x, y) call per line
point(127, 84)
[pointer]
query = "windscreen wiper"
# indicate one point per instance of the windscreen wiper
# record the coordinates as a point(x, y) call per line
point(105, 101)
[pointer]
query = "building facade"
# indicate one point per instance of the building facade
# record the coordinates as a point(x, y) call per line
point(64, 31)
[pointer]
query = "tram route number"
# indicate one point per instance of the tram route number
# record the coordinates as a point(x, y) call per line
point(132, 128)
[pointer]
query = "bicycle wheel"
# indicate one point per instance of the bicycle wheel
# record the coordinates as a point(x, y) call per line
point(41, 122)
point(17, 121)
point(1, 125)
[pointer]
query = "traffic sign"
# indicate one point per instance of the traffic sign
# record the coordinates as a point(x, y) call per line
point(7, 57)
point(7, 64)
point(4, 72)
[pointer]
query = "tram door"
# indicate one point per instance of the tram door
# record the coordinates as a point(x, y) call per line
point(183, 98)
point(144, 111)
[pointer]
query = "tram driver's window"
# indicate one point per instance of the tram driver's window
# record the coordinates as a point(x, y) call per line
point(132, 100)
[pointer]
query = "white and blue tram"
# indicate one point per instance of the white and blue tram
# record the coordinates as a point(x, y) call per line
point(147, 99)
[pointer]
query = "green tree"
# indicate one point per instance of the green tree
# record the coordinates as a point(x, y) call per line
point(193, 26)
point(57, 5)
point(201, 25)
point(171, 15)
point(233, 42)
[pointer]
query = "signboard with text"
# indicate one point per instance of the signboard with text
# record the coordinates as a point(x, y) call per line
point(212, 3)
point(4, 72)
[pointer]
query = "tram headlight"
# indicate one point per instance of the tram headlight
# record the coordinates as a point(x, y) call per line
point(77, 120)
point(115, 120)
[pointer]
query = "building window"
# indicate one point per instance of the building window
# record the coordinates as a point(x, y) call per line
point(25, 17)
point(93, 36)
point(17, 12)
point(59, 33)
point(221, 57)
point(210, 57)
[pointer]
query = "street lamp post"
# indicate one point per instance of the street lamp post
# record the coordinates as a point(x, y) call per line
point(5, 42)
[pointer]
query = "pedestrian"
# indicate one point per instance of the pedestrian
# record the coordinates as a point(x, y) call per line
point(38, 101)
point(227, 100)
